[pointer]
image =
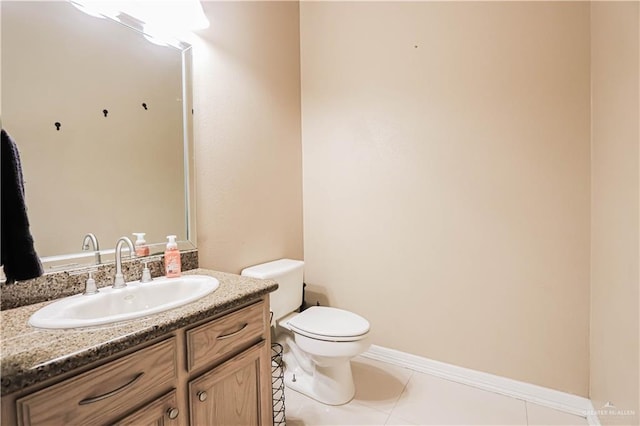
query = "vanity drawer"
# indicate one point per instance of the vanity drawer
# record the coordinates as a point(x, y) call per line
point(214, 340)
point(101, 395)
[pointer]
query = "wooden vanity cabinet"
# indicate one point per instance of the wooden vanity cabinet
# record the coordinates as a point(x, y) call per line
point(216, 372)
point(215, 340)
point(234, 392)
point(163, 411)
point(98, 396)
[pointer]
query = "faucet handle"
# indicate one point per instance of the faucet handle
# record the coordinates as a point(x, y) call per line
point(146, 272)
point(90, 286)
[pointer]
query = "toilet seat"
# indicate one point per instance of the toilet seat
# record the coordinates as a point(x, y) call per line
point(329, 324)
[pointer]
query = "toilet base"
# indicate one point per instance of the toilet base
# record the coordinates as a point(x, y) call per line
point(329, 385)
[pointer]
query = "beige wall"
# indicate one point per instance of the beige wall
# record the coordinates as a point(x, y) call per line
point(247, 133)
point(446, 179)
point(615, 34)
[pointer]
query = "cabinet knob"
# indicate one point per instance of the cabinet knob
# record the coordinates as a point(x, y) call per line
point(172, 413)
point(202, 396)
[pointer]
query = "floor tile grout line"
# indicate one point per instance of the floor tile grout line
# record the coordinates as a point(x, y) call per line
point(406, 422)
point(401, 393)
point(526, 412)
point(404, 386)
point(386, 422)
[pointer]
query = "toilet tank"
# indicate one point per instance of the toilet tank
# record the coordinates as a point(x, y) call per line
point(289, 275)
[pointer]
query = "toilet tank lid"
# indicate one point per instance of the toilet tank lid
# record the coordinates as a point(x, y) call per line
point(271, 269)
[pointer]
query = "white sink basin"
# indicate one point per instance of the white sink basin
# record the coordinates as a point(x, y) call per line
point(134, 301)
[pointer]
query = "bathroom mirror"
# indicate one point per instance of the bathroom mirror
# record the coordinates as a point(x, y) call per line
point(102, 119)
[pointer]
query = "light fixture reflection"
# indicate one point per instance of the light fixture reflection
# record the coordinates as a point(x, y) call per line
point(164, 20)
point(97, 9)
point(173, 16)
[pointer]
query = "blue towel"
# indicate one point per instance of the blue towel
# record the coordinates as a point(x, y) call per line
point(18, 253)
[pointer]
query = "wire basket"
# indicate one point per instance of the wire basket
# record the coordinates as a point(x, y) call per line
point(277, 384)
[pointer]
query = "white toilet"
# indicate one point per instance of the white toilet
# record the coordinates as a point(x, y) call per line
point(319, 342)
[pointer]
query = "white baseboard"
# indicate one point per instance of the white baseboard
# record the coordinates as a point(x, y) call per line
point(551, 398)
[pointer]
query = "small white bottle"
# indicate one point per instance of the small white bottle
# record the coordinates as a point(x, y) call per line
point(142, 249)
point(172, 265)
point(146, 274)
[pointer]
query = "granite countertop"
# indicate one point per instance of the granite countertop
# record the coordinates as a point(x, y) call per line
point(30, 355)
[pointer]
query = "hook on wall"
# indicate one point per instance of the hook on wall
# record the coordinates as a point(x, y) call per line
point(105, 112)
point(58, 125)
point(144, 105)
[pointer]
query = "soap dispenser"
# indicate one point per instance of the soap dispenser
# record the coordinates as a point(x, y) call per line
point(172, 264)
point(146, 273)
point(142, 249)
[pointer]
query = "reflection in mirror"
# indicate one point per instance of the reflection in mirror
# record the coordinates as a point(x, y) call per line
point(102, 119)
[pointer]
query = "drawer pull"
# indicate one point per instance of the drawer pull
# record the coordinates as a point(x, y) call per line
point(226, 336)
point(172, 413)
point(111, 393)
point(202, 396)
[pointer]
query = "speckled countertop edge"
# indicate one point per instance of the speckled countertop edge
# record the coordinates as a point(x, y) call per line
point(30, 355)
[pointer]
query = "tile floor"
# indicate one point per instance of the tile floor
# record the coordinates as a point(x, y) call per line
point(390, 395)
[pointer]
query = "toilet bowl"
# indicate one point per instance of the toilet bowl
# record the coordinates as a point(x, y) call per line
point(318, 342)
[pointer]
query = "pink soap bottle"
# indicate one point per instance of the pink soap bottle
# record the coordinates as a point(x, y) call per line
point(172, 266)
point(142, 249)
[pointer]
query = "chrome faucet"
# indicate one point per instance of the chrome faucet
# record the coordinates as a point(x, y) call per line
point(118, 281)
point(91, 238)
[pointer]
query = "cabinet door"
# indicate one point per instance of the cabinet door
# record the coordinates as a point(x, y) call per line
point(161, 412)
point(238, 392)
